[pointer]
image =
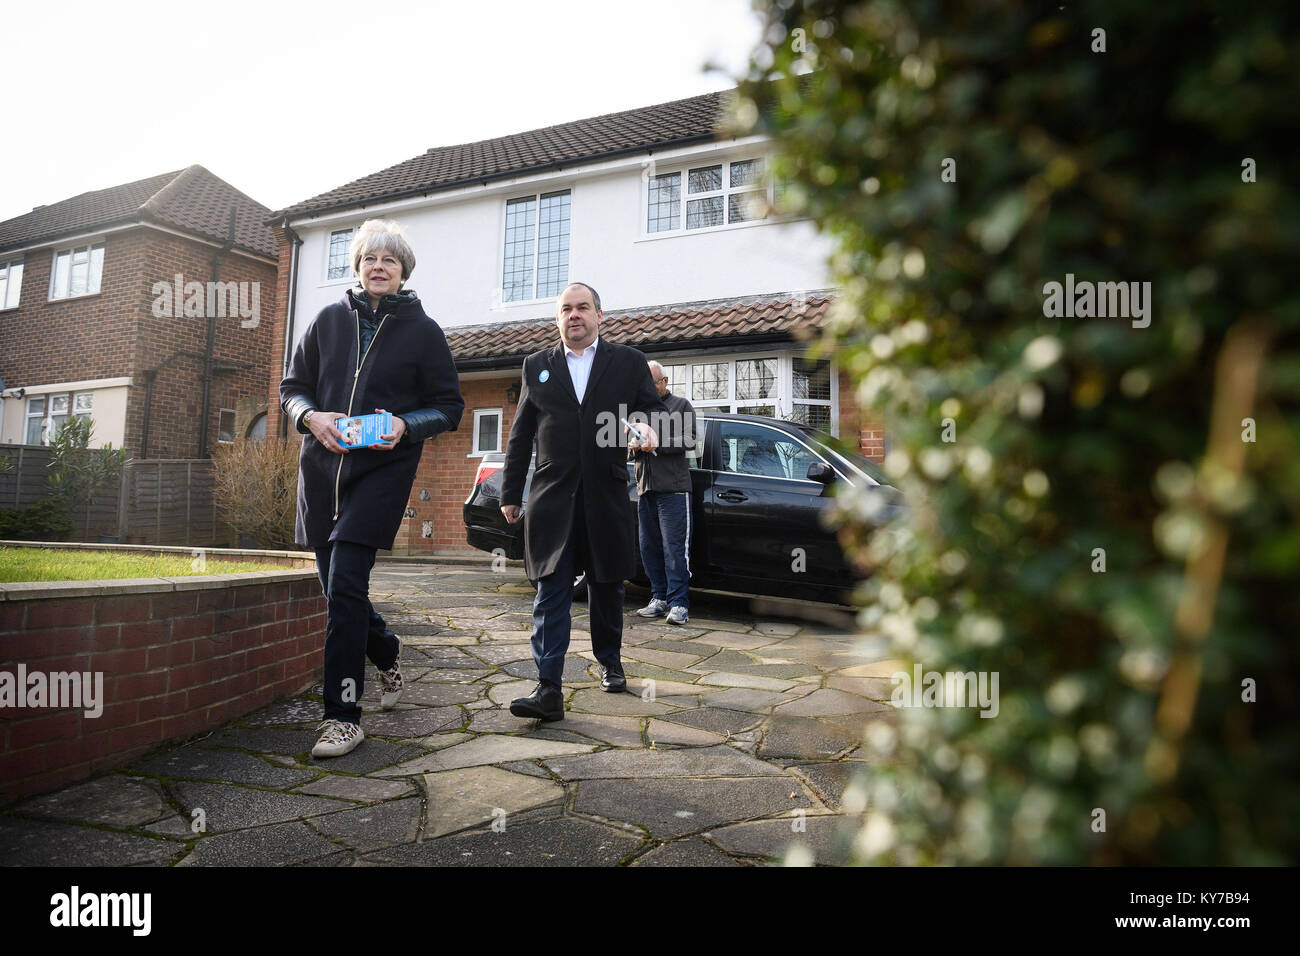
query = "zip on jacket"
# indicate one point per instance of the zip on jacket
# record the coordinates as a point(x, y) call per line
point(361, 360)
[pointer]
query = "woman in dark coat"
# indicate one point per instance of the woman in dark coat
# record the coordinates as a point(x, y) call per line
point(375, 350)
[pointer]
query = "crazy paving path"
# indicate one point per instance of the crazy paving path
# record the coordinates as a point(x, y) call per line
point(735, 745)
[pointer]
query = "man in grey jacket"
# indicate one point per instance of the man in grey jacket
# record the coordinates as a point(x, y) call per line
point(663, 484)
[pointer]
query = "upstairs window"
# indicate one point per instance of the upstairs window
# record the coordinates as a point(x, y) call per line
point(339, 266)
point(77, 271)
point(705, 197)
point(11, 284)
point(535, 263)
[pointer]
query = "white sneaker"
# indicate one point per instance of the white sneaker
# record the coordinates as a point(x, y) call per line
point(677, 616)
point(656, 608)
point(391, 683)
point(337, 738)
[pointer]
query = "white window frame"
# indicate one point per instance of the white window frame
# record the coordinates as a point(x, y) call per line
point(43, 416)
point(231, 412)
point(46, 417)
point(71, 251)
point(785, 399)
point(480, 452)
point(347, 276)
point(499, 297)
point(7, 269)
point(766, 188)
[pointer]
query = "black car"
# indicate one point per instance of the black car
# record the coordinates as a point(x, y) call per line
point(760, 489)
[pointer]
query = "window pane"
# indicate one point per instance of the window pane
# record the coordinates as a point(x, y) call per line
point(818, 416)
point(676, 378)
point(36, 406)
point(80, 272)
point(83, 402)
point(339, 267)
point(553, 244)
point(812, 379)
point(487, 433)
point(56, 423)
point(767, 411)
point(33, 436)
point(701, 213)
point(747, 173)
point(517, 273)
point(13, 289)
point(705, 180)
point(745, 207)
point(664, 210)
point(757, 450)
point(226, 425)
point(710, 382)
point(58, 404)
point(755, 378)
point(62, 264)
point(96, 268)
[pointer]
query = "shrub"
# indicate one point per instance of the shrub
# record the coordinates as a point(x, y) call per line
point(1080, 444)
point(44, 521)
point(255, 486)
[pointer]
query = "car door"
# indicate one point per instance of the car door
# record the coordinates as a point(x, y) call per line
point(763, 511)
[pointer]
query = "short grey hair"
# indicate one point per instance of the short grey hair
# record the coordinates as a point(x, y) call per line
point(382, 235)
point(655, 365)
point(595, 296)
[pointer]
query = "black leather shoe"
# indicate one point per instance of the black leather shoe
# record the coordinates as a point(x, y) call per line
point(612, 680)
point(545, 703)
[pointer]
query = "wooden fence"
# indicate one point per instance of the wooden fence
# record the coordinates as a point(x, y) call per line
point(158, 501)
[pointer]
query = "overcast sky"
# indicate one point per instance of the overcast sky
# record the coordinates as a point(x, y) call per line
point(286, 99)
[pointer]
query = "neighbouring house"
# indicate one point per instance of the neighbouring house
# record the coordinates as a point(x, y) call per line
point(147, 307)
point(670, 220)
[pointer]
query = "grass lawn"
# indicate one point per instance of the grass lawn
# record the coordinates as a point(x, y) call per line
point(45, 564)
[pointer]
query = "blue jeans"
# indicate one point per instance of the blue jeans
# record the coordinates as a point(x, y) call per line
point(353, 631)
point(552, 610)
point(664, 527)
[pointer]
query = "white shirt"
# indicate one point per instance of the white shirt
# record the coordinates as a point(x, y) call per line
point(580, 367)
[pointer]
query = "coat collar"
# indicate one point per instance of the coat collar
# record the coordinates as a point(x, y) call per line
point(559, 364)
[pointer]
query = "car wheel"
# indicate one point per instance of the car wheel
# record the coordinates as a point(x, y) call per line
point(580, 587)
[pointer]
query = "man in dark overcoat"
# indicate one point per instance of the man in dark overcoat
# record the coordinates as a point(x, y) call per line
point(572, 401)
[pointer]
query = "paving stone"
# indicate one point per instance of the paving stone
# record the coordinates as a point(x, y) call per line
point(433, 694)
point(730, 639)
point(680, 700)
point(418, 722)
point(299, 710)
point(503, 694)
point(459, 799)
point(38, 843)
point(363, 789)
point(480, 705)
point(822, 838)
point(228, 807)
point(593, 700)
point(575, 669)
point(663, 732)
point(708, 761)
point(372, 754)
point(487, 750)
point(779, 628)
point(825, 702)
point(829, 779)
point(552, 731)
point(749, 681)
point(885, 669)
point(618, 731)
point(231, 766)
point(689, 852)
point(451, 657)
point(565, 841)
point(803, 737)
point(670, 808)
point(279, 845)
point(680, 647)
point(172, 826)
point(262, 740)
point(500, 654)
point(720, 624)
point(779, 670)
point(665, 688)
point(740, 698)
point(114, 800)
point(439, 741)
point(497, 678)
point(370, 828)
point(640, 670)
point(719, 720)
point(672, 660)
point(499, 721)
point(873, 688)
point(342, 858)
point(726, 660)
point(523, 766)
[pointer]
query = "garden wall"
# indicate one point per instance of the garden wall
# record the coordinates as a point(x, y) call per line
point(178, 656)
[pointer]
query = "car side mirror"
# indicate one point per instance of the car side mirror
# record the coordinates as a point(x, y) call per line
point(822, 472)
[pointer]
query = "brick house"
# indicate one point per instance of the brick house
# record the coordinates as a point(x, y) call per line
point(141, 306)
point(674, 224)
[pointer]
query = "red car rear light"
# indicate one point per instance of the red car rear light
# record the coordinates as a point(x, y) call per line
point(485, 470)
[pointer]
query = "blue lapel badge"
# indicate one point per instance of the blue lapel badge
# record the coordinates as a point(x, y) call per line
point(546, 373)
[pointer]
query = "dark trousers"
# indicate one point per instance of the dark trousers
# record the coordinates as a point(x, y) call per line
point(664, 527)
point(353, 631)
point(552, 609)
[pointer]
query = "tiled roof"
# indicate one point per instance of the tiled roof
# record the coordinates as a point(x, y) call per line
point(191, 200)
point(654, 329)
point(694, 119)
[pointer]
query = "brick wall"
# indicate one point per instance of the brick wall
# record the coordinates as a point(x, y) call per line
point(176, 663)
point(861, 422)
point(114, 333)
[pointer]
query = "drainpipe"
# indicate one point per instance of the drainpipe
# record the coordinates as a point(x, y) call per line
point(293, 301)
point(209, 354)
